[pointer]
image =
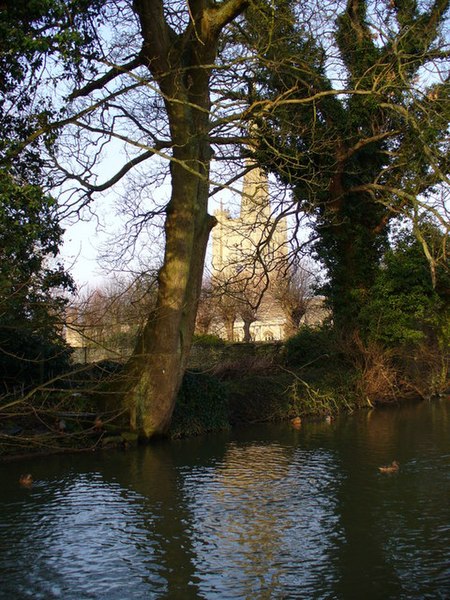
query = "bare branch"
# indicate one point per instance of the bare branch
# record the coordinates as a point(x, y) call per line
point(100, 83)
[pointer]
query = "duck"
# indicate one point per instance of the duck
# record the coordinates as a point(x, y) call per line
point(392, 468)
point(98, 424)
point(296, 422)
point(26, 480)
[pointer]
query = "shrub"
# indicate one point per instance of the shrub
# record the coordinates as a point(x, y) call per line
point(408, 313)
point(309, 345)
point(257, 398)
point(202, 406)
point(208, 339)
point(329, 396)
point(405, 308)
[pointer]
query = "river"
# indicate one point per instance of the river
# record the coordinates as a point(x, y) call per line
point(266, 512)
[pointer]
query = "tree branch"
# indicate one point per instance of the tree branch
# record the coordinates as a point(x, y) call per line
point(159, 38)
point(115, 71)
point(37, 133)
point(117, 177)
point(370, 140)
point(223, 13)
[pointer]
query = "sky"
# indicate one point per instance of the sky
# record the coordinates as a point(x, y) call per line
point(80, 253)
point(84, 240)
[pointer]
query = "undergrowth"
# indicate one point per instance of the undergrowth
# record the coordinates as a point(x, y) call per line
point(202, 406)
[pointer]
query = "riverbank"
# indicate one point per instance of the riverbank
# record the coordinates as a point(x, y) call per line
point(226, 385)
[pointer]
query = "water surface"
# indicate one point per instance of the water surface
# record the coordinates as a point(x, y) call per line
point(261, 512)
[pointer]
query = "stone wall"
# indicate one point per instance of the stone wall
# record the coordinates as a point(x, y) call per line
point(202, 358)
point(208, 357)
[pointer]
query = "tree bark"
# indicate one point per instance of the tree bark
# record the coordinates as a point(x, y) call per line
point(181, 65)
point(229, 327)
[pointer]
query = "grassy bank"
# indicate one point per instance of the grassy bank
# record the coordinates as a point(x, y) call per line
point(312, 375)
point(315, 374)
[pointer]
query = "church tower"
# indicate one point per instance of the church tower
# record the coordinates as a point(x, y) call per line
point(246, 250)
point(256, 235)
point(255, 200)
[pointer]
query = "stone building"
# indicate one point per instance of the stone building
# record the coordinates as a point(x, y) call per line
point(248, 268)
point(248, 264)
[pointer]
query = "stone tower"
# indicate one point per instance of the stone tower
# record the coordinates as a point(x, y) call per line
point(254, 236)
point(245, 252)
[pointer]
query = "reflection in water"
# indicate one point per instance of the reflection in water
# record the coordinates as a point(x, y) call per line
point(401, 521)
point(269, 512)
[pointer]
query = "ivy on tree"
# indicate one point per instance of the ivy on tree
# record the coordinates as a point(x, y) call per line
point(365, 151)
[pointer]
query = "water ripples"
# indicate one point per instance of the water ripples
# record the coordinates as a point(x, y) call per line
point(76, 534)
point(265, 512)
point(302, 514)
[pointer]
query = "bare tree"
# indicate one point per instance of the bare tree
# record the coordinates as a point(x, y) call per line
point(207, 308)
point(107, 321)
point(227, 306)
point(248, 314)
point(294, 292)
point(153, 95)
point(162, 85)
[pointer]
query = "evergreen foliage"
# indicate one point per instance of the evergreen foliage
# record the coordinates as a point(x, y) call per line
point(357, 159)
point(202, 406)
point(31, 343)
point(208, 340)
point(32, 281)
point(42, 43)
point(405, 308)
point(309, 346)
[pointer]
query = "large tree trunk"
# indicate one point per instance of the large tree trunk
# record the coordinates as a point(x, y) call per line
point(157, 366)
point(181, 64)
point(159, 361)
point(229, 328)
point(351, 245)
